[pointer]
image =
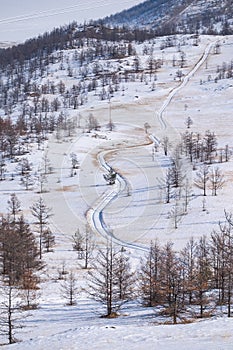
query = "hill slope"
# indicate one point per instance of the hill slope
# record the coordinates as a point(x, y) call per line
point(172, 16)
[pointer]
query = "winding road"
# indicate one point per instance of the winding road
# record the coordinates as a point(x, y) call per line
point(95, 214)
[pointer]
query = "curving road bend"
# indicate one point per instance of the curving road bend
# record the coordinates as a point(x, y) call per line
point(95, 214)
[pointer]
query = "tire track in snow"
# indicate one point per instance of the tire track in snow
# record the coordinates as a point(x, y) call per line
point(182, 85)
point(95, 215)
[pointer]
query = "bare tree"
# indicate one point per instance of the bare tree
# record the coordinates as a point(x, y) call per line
point(62, 272)
point(224, 152)
point(124, 278)
point(78, 242)
point(84, 244)
point(167, 185)
point(172, 282)
point(74, 163)
point(149, 276)
point(2, 168)
point(182, 59)
point(89, 245)
point(210, 145)
point(24, 166)
point(218, 259)
point(13, 205)
point(18, 250)
point(92, 123)
point(188, 122)
point(25, 169)
point(69, 289)
point(177, 170)
point(41, 213)
point(46, 164)
point(48, 240)
point(222, 248)
point(107, 284)
point(166, 144)
point(202, 178)
point(188, 257)
point(27, 181)
point(176, 213)
point(229, 258)
point(189, 142)
point(216, 180)
point(29, 286)
point(203, 275)
point(179, 74)
point(227, 153)
point(187, 194)
point(11, 312)
point(101, 280)
point(146, 127)
point(42, 180)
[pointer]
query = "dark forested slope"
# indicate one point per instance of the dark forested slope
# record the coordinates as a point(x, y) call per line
point(179, 16)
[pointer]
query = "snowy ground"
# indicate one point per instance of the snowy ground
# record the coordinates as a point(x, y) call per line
point(80, 328)
point(136, 218)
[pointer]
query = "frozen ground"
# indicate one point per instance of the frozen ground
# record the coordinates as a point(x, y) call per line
point(135, 217)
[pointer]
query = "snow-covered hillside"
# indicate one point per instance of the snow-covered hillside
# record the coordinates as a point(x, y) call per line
point(147, 95)
point(182, 16)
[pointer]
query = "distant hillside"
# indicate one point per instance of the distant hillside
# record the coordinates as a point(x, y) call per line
point(178, 16)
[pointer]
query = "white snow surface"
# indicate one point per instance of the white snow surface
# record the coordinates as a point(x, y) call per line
point(73, 329)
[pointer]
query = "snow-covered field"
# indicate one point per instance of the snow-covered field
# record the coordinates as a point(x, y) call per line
point(133, 219)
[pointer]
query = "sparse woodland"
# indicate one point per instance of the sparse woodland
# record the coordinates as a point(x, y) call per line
point(195, 282)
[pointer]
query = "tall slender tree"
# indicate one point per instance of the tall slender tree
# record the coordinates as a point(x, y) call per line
point(41, 213)
point(110, 282)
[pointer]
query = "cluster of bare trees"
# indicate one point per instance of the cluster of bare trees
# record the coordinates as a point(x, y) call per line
point(21, 248)
point(209, 178)
point(40, 105)
point(194, 153)
point(176, 184)
point(84, 244)
point(174, 179)
point(19, 266)
point(200, 149)
point(194, 281)
point(225, 71)
point(19, 79)
point(203, 151)
point(70, 37)
point(15, 145)
point(92, 77)
point(19, 251)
